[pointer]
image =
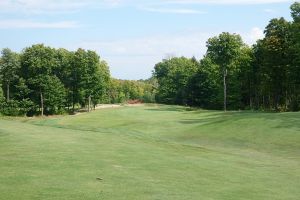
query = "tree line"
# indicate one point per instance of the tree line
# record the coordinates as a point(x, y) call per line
point(43, 80)
point(232, 75)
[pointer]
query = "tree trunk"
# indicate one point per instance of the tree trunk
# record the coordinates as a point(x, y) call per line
point(7, 92)
point(286, 100)
point(270, 103)
point(89, 104)
point(68, 100)
point(42, 104)
point(257, 99)
point(73, 103)
point(225, 88)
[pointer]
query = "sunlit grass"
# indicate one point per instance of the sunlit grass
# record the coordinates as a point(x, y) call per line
point(151, 152)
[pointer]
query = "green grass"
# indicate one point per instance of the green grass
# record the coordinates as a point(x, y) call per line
point(151, 152)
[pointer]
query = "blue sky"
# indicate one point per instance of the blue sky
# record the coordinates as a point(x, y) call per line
point(133, 35)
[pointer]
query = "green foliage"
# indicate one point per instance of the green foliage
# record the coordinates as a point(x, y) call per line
point(230, 75)
point(294, 58)
point(16, 108)
point(148, 97)
point(9, 71)
point(49, 81)
point(203, 86)
point(173, 76)
point(1, 94)
point(54, 95)
point(224, 48)
point(101, 88)
point(277, 68)
point(2, 98)
point(46, 90)
point(265, 76)
point(121, 91)
point(295, 11)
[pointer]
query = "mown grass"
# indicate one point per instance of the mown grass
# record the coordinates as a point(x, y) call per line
point(151, 152)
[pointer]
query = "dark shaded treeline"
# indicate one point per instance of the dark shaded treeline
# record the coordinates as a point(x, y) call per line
point(43, 80)
point(265, 76)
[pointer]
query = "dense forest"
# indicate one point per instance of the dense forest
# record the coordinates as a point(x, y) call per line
point(44, 80)
point(266, 76)
point(233, 75)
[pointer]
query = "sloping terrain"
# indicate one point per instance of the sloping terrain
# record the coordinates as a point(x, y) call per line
point(151, 152)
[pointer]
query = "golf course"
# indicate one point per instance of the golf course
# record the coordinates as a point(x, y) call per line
point(151, 151)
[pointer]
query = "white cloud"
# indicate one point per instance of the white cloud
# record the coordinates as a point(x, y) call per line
point(136, 57)
point(57, 6)
point(21, 24)
point(268, 10)
point(113, 2)
point(53, 6)
point(184, 44)
point(255, 34)
point(238, 2)
point(189, 43)
point(38, 6)
point(173, 10)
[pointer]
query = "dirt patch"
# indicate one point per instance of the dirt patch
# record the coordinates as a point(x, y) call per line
point(103, 106)
point(134, 105)
point(135, 101)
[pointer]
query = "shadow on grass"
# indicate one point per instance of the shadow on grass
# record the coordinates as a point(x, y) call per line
point(281, 120)
point(178, 108)
point(170, 108)
point(207, 121)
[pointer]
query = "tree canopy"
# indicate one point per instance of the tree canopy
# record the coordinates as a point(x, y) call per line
point(231, 75)
point(264, 76)
point(43, 80)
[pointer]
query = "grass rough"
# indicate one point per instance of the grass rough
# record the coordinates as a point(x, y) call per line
point(151, 152)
